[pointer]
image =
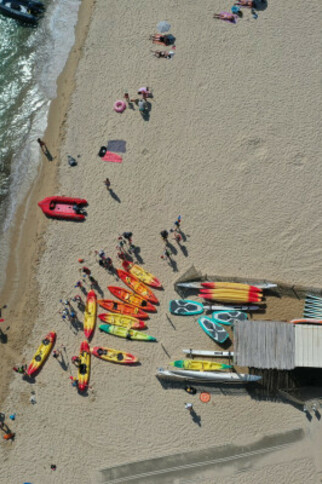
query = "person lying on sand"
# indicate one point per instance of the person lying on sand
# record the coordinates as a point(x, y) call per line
point(163, 53)
point(225, 16)
point(161, 39)
point(245, 3)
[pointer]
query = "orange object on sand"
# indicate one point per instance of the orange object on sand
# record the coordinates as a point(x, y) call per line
point(81, 261)
point(8, 436)
point(205, 397)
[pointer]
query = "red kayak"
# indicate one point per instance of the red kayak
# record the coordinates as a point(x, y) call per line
point(130, 298)
point(122, 308)
point(63, 207)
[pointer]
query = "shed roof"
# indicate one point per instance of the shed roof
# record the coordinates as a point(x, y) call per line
point(277, 345)
point(308, 345)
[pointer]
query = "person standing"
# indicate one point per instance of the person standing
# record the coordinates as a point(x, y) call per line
point(188, 406)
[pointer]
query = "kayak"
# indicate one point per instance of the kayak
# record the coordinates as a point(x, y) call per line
point(237, 292)
point(199, 365)
point(231, 298)
point(125, 333)
point(90, 314)
point(128, 322)
point(213, 354)
point(198, 285)
point(228, 317)
point(84, 368)
point(131, 298)
point(122, 308)
point(213, 329)
point(236, 286)
point(208, 375)
point(137, 286)
point(115, 356)
point(141, 274)
point(42, 353)
point(63, 207)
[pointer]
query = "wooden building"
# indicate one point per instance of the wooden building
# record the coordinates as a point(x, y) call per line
point(277, 345)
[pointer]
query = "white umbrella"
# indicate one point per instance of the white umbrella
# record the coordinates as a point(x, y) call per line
point(163, 26)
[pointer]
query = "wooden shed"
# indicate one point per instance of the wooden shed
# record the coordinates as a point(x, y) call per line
point(277, 345)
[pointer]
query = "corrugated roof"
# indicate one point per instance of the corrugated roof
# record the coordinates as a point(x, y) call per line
point(264, 344)
point(308, 345)
point(277, 345)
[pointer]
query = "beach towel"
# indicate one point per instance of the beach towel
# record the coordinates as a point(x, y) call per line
point(112, 157)
point(117, 145)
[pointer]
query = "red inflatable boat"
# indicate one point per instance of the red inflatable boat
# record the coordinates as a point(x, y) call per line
point(63, 207)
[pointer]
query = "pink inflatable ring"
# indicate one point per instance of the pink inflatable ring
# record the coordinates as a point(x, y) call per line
point(119, 106)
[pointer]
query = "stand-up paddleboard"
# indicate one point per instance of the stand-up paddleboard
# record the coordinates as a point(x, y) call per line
point(228, 317)
point(212, 354)
point(198, 285)
point(187, 307)
point(213, 329)
point(208, 375)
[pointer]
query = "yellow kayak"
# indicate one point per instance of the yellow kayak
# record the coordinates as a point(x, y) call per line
point(115, 356)
point(199, 365)
point(141, 274)
point(84, 368)
point(90, 314)
point(129, 322)
point(42, 353)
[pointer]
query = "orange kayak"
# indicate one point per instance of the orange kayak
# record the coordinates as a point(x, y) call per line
point(131, 298)
point(84, 367)
point(137, 286)
point(120, 320)
point(122, 308)
point(141, 274)
point(90, 314)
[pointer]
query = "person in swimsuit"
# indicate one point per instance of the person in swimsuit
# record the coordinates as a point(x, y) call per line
point(163, 53)
point(245, 3)
point(225, 16)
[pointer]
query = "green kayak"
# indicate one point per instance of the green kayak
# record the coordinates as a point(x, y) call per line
point(125, 333)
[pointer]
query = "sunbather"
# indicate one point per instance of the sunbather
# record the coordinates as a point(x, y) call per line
point(225, 16)
point(163, 53)
point(245, 3)
point(160, 39)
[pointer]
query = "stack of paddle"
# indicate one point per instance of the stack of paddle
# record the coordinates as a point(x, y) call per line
point(232, 292)
point(313, 306)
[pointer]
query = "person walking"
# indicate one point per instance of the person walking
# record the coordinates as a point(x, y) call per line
point(107, 183)
point(164, 234)
point(188, 406)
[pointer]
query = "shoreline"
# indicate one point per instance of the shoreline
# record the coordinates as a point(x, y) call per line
point(27, 244)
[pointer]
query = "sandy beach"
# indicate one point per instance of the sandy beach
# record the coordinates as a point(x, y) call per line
point(232, 146)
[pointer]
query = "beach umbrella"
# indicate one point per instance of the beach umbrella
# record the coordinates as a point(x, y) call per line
point(163, 27)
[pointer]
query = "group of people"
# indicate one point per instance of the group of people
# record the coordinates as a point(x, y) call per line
point(236, 12)
point(176, 235)
point(142, 101)
point(125, 246)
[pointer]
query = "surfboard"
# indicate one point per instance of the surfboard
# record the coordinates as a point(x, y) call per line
point(185, 307)
point(213, 329)
point(228, 317)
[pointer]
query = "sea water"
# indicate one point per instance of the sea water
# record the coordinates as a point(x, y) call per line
point(31, 59)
